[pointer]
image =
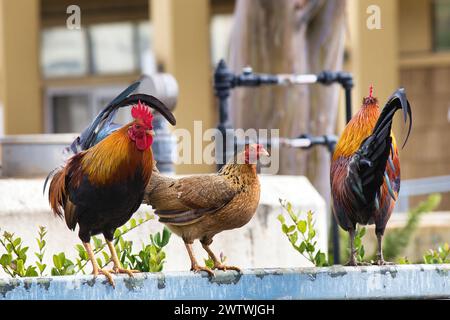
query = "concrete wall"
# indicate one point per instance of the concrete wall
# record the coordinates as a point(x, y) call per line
point(259, 244)
point(399, 282)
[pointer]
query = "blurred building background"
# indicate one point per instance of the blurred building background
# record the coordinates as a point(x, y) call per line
point(54, 80)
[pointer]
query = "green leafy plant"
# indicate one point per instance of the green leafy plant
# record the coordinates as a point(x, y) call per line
point(150, 258)
point(14, 260)
point(62, 266)
point(403, 260)
point(302, 235)
point(441, 255)
point(41, 246)
point(156, 254)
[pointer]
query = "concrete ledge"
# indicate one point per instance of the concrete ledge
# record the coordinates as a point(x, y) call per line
point(372, 282)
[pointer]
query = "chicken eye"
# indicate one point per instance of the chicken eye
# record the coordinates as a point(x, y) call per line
point(137, 126)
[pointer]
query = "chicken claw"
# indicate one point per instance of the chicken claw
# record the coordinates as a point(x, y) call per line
point(381, 262)
point(107, 274)
point(356, 264)
point(197, 268)
point(117, 270)
point(223, 267)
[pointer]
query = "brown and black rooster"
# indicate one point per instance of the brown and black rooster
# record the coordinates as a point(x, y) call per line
point(103, 184)
point(365, 169)
point(199, 207)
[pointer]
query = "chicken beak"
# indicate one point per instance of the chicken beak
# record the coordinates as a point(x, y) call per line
point(264, 152)
point(150, 132)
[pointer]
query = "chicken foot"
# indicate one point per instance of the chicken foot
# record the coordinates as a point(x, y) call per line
point(194, 264)
point(217, 264)
point(95, 268)
point(117, 265)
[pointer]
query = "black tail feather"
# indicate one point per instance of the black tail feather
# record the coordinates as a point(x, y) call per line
point(368, 165)
point(396, 101)
point(48, 178)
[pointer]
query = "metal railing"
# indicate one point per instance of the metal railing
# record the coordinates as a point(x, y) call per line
point(422, 186)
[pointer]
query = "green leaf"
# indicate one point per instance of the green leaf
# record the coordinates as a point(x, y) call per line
point(5, 259)
point(56, 262)
point(31, 272)
point(97, 242)
point(301, 226)
point(117, 233)
point(19, 267)
point(158, 239)
point(302, 247)
point(293, 238)
point(209, 263)
point(311, 233)
point(291, 212)
point(310, 247)
point(133, 223)
point(320, 259)
point(165, 237)
point(17, 242)
point(62, 258)
point(105, 256)
point(41, 266)
point(281, 218)
point(362, 232)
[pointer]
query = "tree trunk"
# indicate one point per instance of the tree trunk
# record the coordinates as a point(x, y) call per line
point(287, 36)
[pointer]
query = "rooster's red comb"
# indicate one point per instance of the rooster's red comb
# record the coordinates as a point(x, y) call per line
point(142, 112)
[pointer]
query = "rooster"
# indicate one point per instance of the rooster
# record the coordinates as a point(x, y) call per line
point(103, 184)
point(365, 169)
point(201, 206)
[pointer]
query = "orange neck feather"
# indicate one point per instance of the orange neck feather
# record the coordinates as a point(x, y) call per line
point(359, 128)
point(115, 159)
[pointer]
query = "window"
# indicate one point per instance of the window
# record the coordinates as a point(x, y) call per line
point(221, 25)
point(441, 12)
point(108, 48)
point(72, 109)
point(70, 113)
point(64, 52)
point(113, 48)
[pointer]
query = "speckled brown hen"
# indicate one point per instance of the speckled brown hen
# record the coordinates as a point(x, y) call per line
point(199, 207)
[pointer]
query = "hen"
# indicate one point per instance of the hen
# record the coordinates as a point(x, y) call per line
point(199, 207)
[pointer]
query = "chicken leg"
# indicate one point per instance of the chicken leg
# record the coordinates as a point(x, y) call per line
point(117, 265)
point(352, 261)
point(217, 264)
point(194, 264)
point(95, 269)
point(380, 259)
